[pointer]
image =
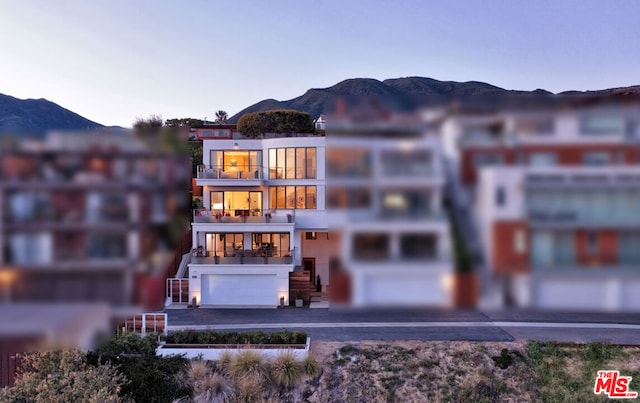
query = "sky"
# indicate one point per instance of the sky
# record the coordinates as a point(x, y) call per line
point(112, 61)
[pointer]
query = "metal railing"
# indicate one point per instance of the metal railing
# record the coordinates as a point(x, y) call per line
point(178, 290)
point(146, 323)
point(229, 172)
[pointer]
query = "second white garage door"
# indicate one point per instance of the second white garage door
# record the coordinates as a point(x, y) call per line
point(388, 289)
point(233, 289)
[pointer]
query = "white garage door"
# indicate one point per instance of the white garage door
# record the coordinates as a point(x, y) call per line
point(233, 289)
point(404, 290)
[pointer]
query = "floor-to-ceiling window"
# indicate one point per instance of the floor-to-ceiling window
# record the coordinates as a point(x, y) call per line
point(236, 203)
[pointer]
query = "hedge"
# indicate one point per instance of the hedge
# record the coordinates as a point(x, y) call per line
point(257, 337)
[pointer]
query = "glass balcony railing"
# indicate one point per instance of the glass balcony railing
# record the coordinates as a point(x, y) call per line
point(213, 216)
point(229, 172)
point(560, 217)
point(248, 256)
point(608, 261)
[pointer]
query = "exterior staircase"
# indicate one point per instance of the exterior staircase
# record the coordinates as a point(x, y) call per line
point(301, 280)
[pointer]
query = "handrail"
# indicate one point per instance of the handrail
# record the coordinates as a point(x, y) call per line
point(184, 262)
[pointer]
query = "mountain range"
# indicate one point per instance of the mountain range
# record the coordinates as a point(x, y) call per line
point(37, 116)
point(408, 93)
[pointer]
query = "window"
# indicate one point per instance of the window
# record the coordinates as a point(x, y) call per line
point(233, 164)
point(542, 158)
point(418, 246)
point(224, 244)
point(501, 196)
point(602, 124)
point(236, 203)
point(371, 246)
point(311, 235)
point(292, 197)
point(520, 241)
point(292, 163)
point(272, 244)
point(596, 158)
point(348, 163)
point(486, 159)
point(342, 198)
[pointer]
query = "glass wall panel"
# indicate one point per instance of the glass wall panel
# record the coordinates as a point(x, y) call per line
point(281, 163)
point(311, 163)
point(291, 163)
point(291, 197)
point(300, 163)
point(311, 197)
point(273, 164)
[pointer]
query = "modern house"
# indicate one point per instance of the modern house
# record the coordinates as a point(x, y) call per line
point(385, 187)
point(262, 233)
point(260, 219)
point(555, 198)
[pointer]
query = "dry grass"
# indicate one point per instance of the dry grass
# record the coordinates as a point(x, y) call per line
point(286, 371)
point(463, 371)
point(418, 372)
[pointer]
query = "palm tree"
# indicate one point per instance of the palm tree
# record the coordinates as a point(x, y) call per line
point(221, 117)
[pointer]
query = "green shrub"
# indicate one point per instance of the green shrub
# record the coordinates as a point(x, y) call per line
point(213, 337)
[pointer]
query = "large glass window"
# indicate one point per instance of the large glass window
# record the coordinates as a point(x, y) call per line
point(342, 198)
point(236, 203)
point(602, 124)
point(292, 197)
point(349, 163)
point(418, 246)
point(224, 244)
point(370, 246)
point(233, 164)
point(292, 163)
point(272, 244)
point(596, 158)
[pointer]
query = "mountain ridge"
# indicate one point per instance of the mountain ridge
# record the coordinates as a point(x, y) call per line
point(404, 94)
point(34, 117)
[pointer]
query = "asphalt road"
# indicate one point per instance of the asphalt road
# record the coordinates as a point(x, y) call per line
point(420, 324)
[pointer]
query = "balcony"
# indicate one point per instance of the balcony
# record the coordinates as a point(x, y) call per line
point(572, 218)
point(247, 256)
point(595, 262)
point(213, 216)
point(242, 173)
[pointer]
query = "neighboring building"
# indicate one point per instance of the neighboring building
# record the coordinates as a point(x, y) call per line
point(84, 216)
point(555, 197)
point(262, 217)
point(566, 237)
point(386, 184)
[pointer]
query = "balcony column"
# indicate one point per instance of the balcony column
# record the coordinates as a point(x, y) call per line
point(436, 201)
point(296, 245)
point(394, 246)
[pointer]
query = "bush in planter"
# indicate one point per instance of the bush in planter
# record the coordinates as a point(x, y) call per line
point(213, 337)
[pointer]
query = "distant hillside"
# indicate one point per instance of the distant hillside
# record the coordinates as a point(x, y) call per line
point(37, 116)
point(408, 93)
